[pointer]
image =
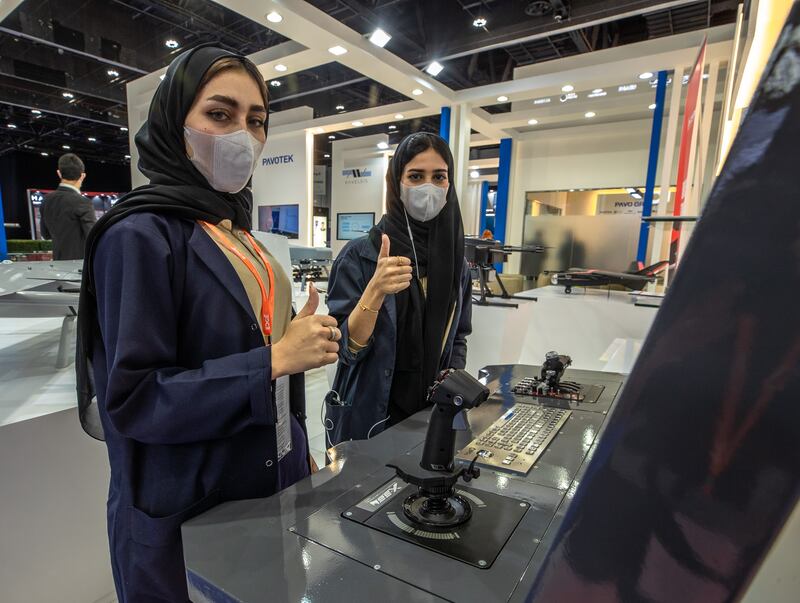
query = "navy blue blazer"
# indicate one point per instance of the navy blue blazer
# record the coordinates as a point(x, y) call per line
point(183, 384)
point(364, 380)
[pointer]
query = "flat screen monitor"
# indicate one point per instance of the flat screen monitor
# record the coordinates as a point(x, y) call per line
point(353, 226)
point(280, 219)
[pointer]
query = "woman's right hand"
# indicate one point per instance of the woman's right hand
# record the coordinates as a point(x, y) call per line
point(393, 273)
point(307, 343)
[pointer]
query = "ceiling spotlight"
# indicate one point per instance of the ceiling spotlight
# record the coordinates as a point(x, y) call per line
point(541, 101)
point(398, 116)
point(171, 43)
point(590, 114)
point(651, 107)
point(383, 145)
point(479, 22)
point(274, 17)
point(337, 50)
point(66, 147)
point(434, 68)
point(113, 73)
point(275, 83)
point(12, 126)
point(502, 99)
point(597, 93)
point(331, 137)
point(45, 154)
point(533, 122)
point(67, 95)
point(92, 139)
point(340, 107)
point(281, 67)
point(358, 124)
point(123, 129)
point(36, 111)
point(393, 127)
point(627, 88)
point(475, 174)
point(327, 155)
point(646, 75)
point(568, 96)
point(380, 38)
point(567, 88)
point(416, 91)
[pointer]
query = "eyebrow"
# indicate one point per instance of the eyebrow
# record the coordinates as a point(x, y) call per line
point(423, 171)
point(234, 104)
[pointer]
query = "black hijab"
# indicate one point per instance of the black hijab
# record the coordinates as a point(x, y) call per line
point(439, 243)
point(176, 188)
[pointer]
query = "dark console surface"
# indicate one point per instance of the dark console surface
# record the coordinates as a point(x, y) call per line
point(301, 544)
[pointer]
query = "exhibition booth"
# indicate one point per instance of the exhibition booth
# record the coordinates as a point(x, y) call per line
point(592, 448)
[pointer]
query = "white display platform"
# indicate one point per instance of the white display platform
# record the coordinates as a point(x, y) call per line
point(600, 330)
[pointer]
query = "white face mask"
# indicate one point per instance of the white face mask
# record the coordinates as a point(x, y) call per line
point(226, 160)
point(423, 202)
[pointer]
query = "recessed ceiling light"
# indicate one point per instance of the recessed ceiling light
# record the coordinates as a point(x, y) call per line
point(337, 50)
point(113, 73)
point(398, 116)
point(66, 147)
point(479, 22)
point(502, 99)
point(533, 122)
point(627, 88)
point(358, 124)
point(651, 107)
point(12, 126)
point(92, 139)
point(646, 75)
point(331, 137)
point(275, 83)
point(171, 43)
point(45, 154)
point(281, 67)
point(567, 88)
point(67, 95)
point(274, 17)
point(383, 145)
point(327, 155)
point(416, 91)
point(393, 127)
point(123, 129)
point(380, 38)
point(541, 101)
point(590, 114)
point(340, 107)
point(597, 93)
point(36, 111)
point(435, 68)
point(474, 174)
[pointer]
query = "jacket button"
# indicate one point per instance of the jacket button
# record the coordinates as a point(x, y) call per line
point(269, 463)
point(254, 327)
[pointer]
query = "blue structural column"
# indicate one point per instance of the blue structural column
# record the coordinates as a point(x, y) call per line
point(444, 124)
point(3, 243)
point(484, 206)
point(501, 201)
point(652, 166)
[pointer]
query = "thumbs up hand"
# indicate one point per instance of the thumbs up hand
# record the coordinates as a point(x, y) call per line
point(309, 342)
point(392, 274)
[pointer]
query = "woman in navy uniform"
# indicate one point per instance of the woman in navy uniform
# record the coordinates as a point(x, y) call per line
point(402, 296)
point(197, 361)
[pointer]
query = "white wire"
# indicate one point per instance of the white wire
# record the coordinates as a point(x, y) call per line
point(369, 433)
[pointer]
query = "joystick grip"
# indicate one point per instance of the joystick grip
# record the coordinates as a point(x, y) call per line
point(440, 441)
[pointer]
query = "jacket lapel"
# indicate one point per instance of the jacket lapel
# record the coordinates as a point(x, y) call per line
point(219, 265)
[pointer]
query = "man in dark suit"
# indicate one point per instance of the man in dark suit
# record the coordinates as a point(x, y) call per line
point(67, 216)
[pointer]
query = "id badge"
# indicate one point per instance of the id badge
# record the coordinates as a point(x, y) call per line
point(283, 425)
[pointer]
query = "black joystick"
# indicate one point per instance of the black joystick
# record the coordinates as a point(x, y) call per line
point(435, 505)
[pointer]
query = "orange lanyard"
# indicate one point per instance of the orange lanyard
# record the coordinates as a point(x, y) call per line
point(267, 300)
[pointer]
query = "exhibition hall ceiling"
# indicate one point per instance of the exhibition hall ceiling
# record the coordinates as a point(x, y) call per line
point(64, 64)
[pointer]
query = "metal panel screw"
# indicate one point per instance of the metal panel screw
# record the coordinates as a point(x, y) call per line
point(482, 563)
point(291, 529)
point(348, 514)
point(523, 505)
point(536, 540)
point(376, 567)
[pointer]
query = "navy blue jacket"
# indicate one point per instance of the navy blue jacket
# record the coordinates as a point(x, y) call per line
point(364, 380)
point(183, 384)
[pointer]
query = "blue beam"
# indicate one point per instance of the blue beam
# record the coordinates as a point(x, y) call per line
point(503, 184)
point(3, 243)
point(652, 166)
point(484, 206)
point(444, 124)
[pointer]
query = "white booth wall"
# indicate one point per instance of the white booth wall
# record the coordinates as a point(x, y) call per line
point(358, 176)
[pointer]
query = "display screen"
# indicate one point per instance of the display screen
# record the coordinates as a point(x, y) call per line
point(352, 226)
point(280, 219)
point(101, 202)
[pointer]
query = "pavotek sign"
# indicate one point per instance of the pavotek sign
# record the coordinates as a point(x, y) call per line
point(278, 159)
